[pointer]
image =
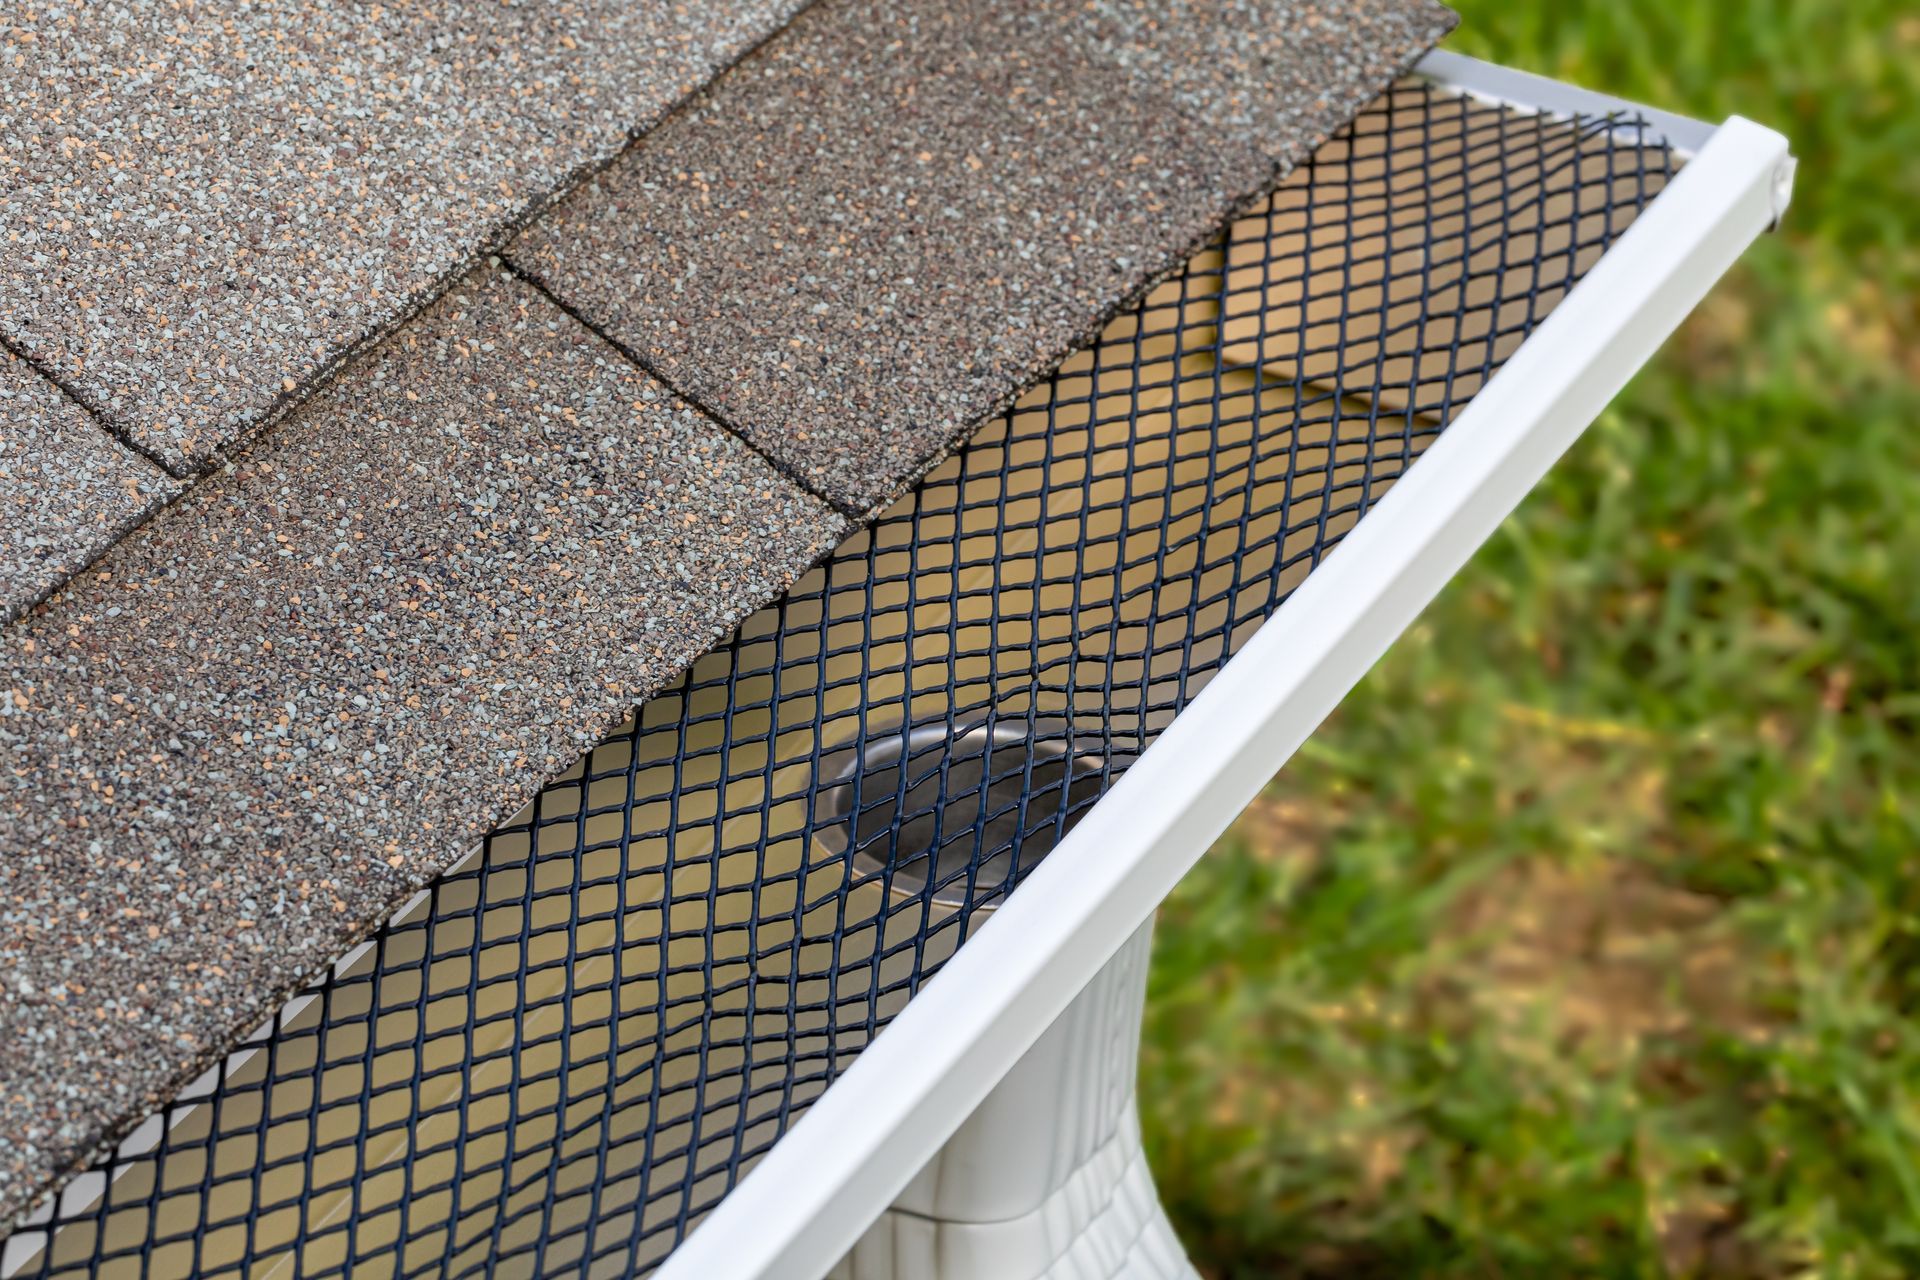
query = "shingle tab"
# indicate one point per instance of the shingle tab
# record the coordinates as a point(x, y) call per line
point(874, 231)
point(202, 205)
point(67, 488)
point(325, 672)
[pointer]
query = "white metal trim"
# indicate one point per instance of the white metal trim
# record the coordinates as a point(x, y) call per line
point(1523, 91)
point(840, 1165)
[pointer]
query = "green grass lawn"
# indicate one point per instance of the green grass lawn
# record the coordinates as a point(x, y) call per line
point(1585, 939)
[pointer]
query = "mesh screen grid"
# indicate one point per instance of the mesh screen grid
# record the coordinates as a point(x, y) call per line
point(563, 1054)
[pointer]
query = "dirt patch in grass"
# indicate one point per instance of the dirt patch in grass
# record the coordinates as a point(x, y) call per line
point(1596, 967)
point(1588, 959)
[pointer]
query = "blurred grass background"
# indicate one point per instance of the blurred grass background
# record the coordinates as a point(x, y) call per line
point(1585, 939)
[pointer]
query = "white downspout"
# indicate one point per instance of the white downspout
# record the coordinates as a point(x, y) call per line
point(1047, 1179)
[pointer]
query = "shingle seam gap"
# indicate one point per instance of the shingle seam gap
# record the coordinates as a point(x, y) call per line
point(708, 411)
point(862, 515)
point(73, 393)
point(11, 610)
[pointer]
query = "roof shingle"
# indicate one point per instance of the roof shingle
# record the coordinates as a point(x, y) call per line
point(894, 217)
point(323, 674)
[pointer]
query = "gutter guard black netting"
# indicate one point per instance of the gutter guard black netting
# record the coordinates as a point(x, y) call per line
point(574, 1044)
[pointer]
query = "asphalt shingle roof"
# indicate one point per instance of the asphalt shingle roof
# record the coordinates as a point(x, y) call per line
point(365, 634)
point(903, 212)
